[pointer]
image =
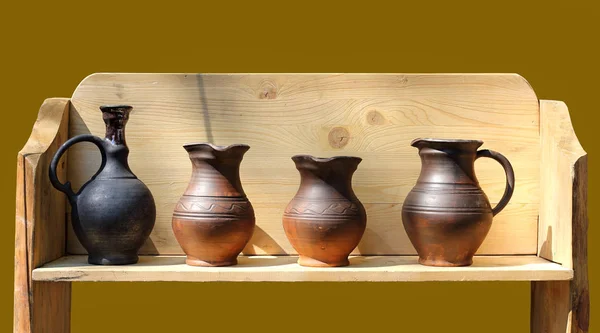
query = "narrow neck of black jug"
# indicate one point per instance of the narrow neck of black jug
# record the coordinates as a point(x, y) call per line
point(115, 118)
point(116, 136)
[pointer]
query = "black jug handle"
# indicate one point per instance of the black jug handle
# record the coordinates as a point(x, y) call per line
point(510, 177)
point(66, 187)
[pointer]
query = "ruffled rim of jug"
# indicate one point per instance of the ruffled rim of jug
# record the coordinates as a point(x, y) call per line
point(193, 145)
point(306, 157)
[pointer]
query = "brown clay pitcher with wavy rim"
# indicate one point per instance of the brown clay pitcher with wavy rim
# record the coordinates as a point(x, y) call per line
point(446, 215)
point(325, 221)
point(214, 220)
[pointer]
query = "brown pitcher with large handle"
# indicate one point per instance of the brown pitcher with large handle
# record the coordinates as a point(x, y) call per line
point(446, 215)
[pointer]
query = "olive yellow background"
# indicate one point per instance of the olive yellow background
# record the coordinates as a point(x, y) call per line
point(47, 48)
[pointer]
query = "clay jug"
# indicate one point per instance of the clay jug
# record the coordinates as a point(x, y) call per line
point(114, 212)
point(446, 215)
point(325, 220)
point(213, 220)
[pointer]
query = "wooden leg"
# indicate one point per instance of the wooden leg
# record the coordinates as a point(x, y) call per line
point(51, 307)
point(550, 307)
point(557, 308)
point(564, 306)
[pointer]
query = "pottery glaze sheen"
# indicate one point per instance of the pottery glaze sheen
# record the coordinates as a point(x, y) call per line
point(325, 221)
point(113, 213)
point(446, 215)
point(214, 220)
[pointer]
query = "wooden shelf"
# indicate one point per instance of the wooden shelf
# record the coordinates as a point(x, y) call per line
point(285, 268)
point(372, 116)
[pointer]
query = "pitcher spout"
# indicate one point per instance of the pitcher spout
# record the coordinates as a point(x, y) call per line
point(447, 144)
point(340, 162)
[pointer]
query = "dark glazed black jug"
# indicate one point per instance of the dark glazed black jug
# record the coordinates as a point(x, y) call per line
point(114, 212)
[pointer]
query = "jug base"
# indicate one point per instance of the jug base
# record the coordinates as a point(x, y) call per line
point(203, 263)
point(440, 262)
point(312, 262)
point(117, 259)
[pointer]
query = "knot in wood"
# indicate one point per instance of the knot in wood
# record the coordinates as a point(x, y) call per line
point(375, 118)
point(339, 137)
point(268, 90)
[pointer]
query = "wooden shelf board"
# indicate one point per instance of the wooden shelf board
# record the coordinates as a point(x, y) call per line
point(285, 268)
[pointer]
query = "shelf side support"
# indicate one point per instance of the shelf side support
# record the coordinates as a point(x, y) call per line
point(561, 306)
point(40, 231)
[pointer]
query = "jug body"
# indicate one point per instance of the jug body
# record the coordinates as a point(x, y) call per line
point(325, 221)
point(446, 215)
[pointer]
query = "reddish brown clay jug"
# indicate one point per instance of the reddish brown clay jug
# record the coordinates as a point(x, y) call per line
point(213, 220)
point(446, 215)
point(325, 221)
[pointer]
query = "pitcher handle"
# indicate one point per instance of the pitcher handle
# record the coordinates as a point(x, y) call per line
point(510, 177)
point(66, 187)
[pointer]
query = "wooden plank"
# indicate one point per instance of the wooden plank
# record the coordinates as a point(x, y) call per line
point(285, 268)
point(22, 306)
point(560, 151)
point(280, 115)
point(559, 307)
point(40, 226)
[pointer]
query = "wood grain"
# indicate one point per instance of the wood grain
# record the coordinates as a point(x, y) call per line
point(373, 116)
point(560, 151)
point(580, 294)
point(40, 226)
point(562, 306)
point(285, 268)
